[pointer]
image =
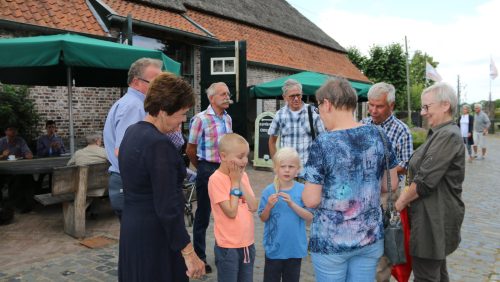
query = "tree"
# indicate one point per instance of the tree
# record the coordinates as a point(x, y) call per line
point(17, 109)
point(388, 64)
point(356, 57)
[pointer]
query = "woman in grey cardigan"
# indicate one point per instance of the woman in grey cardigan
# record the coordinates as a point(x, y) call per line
point(434, 197)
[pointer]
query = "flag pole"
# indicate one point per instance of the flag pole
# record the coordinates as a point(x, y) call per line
point(408, 82)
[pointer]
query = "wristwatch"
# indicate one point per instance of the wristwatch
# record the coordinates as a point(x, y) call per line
point(236, 192)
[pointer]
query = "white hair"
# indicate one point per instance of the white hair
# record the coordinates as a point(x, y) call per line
point(379, 89)
point(443, 92)
point(290, 84)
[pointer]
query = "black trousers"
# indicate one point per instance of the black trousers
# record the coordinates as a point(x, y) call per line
point(429, 270)
point(286, 270)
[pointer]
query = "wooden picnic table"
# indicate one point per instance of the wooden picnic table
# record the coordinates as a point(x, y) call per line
point(32, 166)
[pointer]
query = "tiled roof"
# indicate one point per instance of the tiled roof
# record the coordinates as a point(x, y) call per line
point(275, 49)
point(71, 15)
point(153, 15)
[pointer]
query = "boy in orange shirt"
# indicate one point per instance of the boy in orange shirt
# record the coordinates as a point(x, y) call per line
point(233, 204)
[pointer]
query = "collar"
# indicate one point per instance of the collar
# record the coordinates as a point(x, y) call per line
point(136, 93)
point(438, 127)
point(304, 107)
point(385, 122)
point(210, 111)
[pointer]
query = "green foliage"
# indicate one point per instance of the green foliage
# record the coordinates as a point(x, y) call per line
point(419, 135)
point(16, 108)
point(356, 57)
point(386, 64)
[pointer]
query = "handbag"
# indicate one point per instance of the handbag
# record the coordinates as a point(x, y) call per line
point(394, 242)
point(311, 123)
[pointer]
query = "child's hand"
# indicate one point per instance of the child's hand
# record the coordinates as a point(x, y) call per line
point(235, 173)
point(286, 197)
point(273, 199)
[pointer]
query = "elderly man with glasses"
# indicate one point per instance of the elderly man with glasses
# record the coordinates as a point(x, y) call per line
point(128, 110)
point(292, 123)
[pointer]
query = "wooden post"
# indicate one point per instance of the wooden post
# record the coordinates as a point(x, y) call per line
point(74, 213)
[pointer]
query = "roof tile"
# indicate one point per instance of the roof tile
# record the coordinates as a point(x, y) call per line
point(153, 15)
point(59, 14)
point(276, 49)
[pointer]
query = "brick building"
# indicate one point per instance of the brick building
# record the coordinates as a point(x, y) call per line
point(241, 42)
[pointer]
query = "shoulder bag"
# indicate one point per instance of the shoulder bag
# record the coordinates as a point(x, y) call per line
point(394, 248)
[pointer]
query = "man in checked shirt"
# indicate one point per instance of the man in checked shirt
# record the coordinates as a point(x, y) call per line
point(381, 100)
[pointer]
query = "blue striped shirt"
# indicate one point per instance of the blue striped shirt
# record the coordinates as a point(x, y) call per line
point(400, 136)
point(294, 130)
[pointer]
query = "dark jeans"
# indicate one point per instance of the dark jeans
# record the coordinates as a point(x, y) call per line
point(234, 264)
point(116, 193)
point(429, 270)
point(286, 270)
point(202, 215)
point(21, 192)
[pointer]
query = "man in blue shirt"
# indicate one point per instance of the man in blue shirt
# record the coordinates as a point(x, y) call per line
point(126, 111)
point(50, 144)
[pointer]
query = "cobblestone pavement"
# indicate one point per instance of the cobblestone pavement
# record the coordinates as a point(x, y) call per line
point(34, 247)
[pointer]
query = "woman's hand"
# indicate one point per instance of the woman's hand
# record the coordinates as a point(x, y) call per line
point(195, 266)
point(399, 205)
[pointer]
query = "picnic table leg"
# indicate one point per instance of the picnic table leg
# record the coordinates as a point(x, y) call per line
point(74, 213)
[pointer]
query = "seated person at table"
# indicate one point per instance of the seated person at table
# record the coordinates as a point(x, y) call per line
point(20, 187)
point(12, 144)
point(93, 153)
point(50, 144)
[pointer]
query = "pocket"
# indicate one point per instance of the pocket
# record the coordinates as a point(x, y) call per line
point(220, 253)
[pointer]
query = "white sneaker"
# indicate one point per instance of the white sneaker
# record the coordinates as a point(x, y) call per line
point(479, 158)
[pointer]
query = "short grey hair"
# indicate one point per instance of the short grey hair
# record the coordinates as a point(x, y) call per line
point(339, 92)
point(93, 137)
point(443, 92)
point(478, 106)
point(290, 84)
point(211, 89)
point(137, 68)
point(379, 89)
point(467, 107)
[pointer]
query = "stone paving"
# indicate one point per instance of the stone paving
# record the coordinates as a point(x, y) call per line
point(34, 247)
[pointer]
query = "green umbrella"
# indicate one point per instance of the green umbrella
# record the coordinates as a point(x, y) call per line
point(310, 81)
point(57, 60)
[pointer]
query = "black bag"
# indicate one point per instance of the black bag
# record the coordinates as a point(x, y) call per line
point(6, 215)
point(394, 241)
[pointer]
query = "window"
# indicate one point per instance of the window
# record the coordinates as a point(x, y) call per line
point(222, 66)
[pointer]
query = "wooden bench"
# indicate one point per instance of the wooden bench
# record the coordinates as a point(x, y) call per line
point(74, 187)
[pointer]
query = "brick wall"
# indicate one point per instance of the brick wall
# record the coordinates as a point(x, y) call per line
point(90, 108)
point(257, 75)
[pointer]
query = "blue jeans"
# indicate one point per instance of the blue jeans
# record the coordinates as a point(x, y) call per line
point(202, 216)
point(234, 264)
point(357, 266)
point(116, 193)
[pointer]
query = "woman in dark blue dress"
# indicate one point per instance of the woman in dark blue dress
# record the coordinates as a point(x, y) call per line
point(154, 243)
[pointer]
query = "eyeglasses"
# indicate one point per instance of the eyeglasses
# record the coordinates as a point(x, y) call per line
point(425, 108)
point(142, 79)
point(294, 96)
point(228, 94)
point(316, 110)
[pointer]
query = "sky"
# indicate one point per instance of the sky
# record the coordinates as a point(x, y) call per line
point(461, 35)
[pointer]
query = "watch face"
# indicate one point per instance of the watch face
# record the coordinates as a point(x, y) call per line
point(236, 192)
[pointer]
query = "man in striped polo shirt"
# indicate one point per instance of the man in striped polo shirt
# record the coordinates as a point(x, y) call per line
point(207, 128)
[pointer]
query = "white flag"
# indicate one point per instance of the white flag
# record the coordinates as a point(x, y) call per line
point(431, 73)
point(493, 69)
